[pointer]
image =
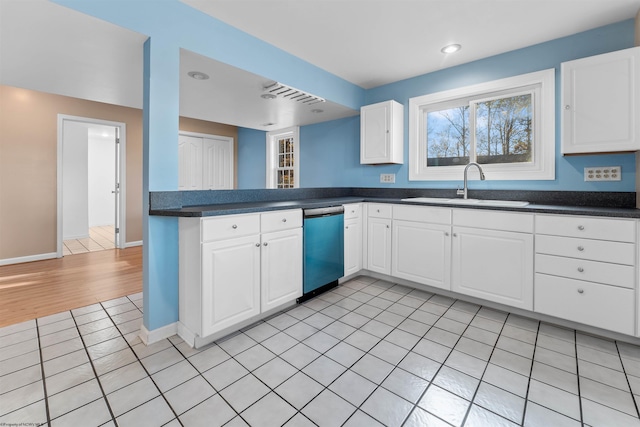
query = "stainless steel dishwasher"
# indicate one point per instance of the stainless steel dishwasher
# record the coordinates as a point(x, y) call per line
point(323, 243)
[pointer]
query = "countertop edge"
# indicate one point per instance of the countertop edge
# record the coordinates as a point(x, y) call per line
point(243, 208)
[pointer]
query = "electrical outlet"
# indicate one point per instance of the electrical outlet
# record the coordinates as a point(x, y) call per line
point(603, 173)
point(388, 178)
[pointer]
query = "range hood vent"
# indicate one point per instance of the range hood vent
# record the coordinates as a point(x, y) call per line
point(292, 94)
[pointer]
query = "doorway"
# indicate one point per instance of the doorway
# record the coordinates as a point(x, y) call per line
point(91, 185)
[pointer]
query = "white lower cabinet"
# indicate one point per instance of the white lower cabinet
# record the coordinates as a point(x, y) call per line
point(281, 272)
point(586, 270)
point(493, 259)
point(352, 238)
point(230, 282)
point(494, 265)
point(233, 268)
point(379, 238)
point(421, 248)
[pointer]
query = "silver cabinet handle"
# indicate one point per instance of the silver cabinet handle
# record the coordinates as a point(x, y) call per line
point(257, 245)
point(265, 243)
point(581, 291)
point(581, 227)
point(581, 270)
point(580, 248)
point(284, 219)
point(234, 226)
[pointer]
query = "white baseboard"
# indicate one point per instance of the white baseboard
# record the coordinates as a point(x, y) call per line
point(132, 244)
point(150, 337)
point(29, 258)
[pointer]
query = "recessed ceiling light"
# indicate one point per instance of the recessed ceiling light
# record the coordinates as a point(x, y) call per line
point(317, 110)
point(267, 96)
point(451, 48)
point(198, 75)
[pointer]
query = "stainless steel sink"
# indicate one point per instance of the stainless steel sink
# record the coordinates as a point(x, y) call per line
point(477, 202)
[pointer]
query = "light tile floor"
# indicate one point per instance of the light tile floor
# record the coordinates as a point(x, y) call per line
point(100, 238)
point(368, 353)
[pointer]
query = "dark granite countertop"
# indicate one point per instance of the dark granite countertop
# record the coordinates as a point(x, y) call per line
point(259, 206)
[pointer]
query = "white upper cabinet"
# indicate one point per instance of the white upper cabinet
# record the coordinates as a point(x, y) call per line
point(382, 133)
point(600, 103)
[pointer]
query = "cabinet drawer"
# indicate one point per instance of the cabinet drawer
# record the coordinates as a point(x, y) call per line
point(230, 226)
point(280, 220)
point(594, 250)
point(422, 214)
point(493, 220)
point(597, 305)
point(619, 230)
point(379, 210)
point(353, 210)
point(591, 271)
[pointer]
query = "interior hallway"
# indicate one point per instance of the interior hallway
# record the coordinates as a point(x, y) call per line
point(41, 288)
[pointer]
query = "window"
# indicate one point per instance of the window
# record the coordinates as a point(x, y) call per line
point(508, 126)
point(282, 158)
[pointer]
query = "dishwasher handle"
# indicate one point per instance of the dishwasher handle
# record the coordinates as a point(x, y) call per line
point(318, 212)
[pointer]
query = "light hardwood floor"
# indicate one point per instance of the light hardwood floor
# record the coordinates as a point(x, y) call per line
point(41, 288)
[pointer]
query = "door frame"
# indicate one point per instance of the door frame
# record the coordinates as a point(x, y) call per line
point(121, 194)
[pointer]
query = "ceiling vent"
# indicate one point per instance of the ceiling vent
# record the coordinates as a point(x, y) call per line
point(287, 92)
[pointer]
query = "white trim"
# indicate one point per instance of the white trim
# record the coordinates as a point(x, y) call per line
point(30, 258)
point(132, 244)
point(123, 175)
point(543, 167)
point(270, 181)
point(149, 337)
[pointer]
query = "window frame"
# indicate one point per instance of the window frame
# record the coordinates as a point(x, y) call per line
point(542, 86)
point(272, 138)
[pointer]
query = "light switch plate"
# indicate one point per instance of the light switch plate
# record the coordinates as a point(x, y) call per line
point(603, 173)
point(388, 178)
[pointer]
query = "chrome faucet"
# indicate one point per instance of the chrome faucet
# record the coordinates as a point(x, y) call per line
point(463, 192)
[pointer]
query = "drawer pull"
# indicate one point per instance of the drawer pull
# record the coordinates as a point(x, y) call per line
point(581, 291)
point(284, 219)
point(581, 227)
point(580, 248)
point(581, 270)
point(234, 226)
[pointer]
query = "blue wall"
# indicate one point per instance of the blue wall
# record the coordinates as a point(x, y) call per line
point(330, 151)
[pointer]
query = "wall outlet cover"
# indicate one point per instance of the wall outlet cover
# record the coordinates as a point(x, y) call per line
point(603, 173)
point(387, 178)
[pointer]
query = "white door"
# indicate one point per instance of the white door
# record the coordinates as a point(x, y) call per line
point(493, 265)
point(190, 163)
point(217, 166)
point(230, 282)
point(422, 253)
point(281, 268)
point(379, 245)
point(352, 246)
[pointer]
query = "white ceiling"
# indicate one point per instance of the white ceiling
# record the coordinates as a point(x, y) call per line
point(374, 42)
point(49, 48)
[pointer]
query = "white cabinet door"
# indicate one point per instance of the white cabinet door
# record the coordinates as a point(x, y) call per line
point(600, 103)
point(281, 267)
point(494, 265)
point(230, 282)
point(352, 246)
point(422, 253)
point(381, 133)
point(217, 164)
point(379, 245)
point(190, 163)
